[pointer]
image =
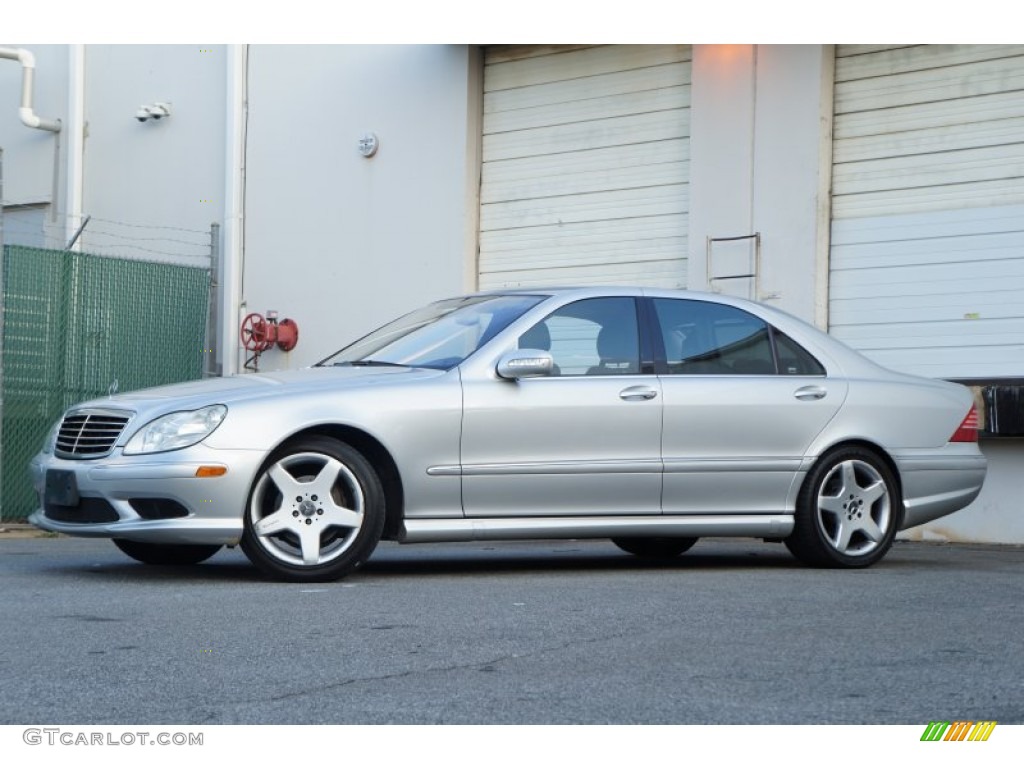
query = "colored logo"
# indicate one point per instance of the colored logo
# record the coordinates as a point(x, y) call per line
point(960, 730)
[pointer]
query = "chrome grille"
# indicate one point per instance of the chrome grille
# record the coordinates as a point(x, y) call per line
point(89, 434)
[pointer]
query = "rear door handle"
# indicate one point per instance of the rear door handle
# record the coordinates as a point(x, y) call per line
point(810, 393)
point(638, 393)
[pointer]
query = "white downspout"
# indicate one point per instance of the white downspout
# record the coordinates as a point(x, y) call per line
point(28, 69)
point(75, 189)
point(233, 252)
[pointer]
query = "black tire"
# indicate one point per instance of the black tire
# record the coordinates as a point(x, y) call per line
point(654, 547)
point(315, 511)
point(167, 554)
point(848, 511)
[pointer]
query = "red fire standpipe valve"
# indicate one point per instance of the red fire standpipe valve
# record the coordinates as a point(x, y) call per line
point(287, 334)
point(256, 333)
point(259, 334)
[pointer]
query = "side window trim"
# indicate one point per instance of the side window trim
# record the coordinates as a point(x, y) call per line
point(774, 349)
point(652, 350)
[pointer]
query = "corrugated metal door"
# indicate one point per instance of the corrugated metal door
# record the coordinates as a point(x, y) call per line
point(585, 165)
point(927, 259)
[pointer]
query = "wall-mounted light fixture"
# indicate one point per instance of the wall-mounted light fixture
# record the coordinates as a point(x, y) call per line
point(157, 111)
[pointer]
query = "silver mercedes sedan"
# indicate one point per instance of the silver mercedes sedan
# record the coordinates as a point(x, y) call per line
point(650, 417)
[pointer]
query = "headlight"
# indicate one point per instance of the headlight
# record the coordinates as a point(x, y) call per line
point(177, 430)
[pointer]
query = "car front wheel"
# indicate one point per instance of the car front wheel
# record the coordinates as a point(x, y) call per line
point(848, 511)
point(315, 511)
point(167, 554)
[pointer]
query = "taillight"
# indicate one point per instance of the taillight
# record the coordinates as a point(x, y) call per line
point(967, 432)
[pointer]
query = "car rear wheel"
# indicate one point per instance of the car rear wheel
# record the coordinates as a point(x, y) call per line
point(167, 554)
point(315, 511)
point(848, 511)
point(657, 546)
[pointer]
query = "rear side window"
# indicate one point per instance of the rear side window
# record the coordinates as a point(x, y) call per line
point(794, 360)
point(701, 337)
point(705, 338)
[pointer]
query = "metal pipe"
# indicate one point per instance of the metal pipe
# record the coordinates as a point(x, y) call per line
point(26, 111)
point(211, 367)
point(78, 233)
point(232, 254)
point(74, 138)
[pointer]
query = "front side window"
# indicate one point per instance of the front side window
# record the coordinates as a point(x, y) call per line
point(591, 337)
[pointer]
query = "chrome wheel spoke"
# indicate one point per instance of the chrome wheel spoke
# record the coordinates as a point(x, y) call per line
point(283, 479)
point(832, 504)
point(281, 520)
point(341, 516)
point(870, 529)
point(849, 474)
point(325, 479)
point(843, 534)
point(309, 538)
point(873, 493)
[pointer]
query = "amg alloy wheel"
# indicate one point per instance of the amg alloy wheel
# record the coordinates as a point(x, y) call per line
point(848, 511)
point(315, 512)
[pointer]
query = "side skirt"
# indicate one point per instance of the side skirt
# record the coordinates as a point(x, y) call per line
point(754, 526)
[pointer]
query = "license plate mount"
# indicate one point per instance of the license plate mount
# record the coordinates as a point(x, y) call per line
point(61, 488)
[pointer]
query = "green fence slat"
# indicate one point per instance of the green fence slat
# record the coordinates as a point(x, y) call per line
point(73, 324)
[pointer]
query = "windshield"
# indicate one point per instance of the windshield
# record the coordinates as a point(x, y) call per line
point(441, 335)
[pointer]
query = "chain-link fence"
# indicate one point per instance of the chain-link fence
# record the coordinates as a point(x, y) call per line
point(76, 326)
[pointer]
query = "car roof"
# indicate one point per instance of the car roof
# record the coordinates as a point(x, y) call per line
point(590, 291)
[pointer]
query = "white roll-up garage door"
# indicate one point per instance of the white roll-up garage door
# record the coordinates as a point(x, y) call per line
point(927, 258)
point(585, 165)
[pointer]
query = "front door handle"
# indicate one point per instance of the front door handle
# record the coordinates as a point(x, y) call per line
point(810, 393)
point(638, 393)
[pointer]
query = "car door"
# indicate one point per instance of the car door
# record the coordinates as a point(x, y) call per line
point(584, 440)
point(742, 404)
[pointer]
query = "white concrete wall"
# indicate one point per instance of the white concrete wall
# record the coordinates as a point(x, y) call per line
point(995, 516)
point(339, 242)
point(31, 155)
point(154, 188)
point(759, 122)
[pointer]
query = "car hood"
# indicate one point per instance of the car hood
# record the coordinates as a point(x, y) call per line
point(237, 388)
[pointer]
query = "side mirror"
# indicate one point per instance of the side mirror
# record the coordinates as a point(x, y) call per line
point(525, 363)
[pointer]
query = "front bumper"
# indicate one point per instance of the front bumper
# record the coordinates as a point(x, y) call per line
point(210, 508)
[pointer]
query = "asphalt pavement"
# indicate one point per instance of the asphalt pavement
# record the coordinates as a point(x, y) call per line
point(735, 631)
